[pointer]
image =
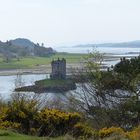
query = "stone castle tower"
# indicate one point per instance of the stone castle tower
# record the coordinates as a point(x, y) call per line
point(58, 69)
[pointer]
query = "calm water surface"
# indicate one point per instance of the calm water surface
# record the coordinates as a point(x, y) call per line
point(9, 83)
point(116, 50)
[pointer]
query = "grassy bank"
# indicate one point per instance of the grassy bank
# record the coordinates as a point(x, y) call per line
point(31, 62)
point(53, 82)
point(9, 135)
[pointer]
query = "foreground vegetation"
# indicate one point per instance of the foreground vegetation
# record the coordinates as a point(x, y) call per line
point(22, 115)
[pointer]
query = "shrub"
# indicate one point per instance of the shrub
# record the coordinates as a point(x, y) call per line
point(134, 134)
point(3, 111)
point(5, 124)
point(22, 110)
point(56, 123)
point(106, 132)
point(9, 125)
point(80, 129)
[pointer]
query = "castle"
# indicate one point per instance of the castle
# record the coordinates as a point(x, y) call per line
point(58, 69)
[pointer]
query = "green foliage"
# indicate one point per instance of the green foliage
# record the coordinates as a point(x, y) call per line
point(129, 71)
point(128, 67)
point(110, 98)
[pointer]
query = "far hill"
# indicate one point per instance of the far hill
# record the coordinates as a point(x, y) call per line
point(23, 47)
point(131, 44)
point(22, 42)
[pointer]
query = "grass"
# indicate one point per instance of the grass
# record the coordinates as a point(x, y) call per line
point(9, 135)
point(31, 62)
point(53, 82)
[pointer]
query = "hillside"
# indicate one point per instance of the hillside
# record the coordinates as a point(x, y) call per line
point(23, 42)
point(23, 47)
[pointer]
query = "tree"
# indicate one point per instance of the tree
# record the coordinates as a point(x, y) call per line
point(129, 71)
point(105, 95)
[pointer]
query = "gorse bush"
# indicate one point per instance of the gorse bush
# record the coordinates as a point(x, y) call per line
point(5, 124)
point(23, 114)
point(9, 125)
point(55, 123)
point(22, 110)
point(106, 132)
point(134, 134)
point(116, 133)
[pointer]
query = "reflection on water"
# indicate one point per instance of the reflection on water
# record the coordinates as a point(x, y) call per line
point(9, 83)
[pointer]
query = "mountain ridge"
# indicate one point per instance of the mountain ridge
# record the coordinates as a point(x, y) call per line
point(135, 44)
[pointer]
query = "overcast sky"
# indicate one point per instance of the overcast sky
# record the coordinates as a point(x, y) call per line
point(66, 22)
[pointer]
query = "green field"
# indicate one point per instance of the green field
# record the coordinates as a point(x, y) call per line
point(31, 62)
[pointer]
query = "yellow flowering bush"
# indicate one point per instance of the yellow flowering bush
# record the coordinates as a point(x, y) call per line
point(23, 111)
point(134, 134)
point(56, 123)
point(106, 132)
point(9, 125)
